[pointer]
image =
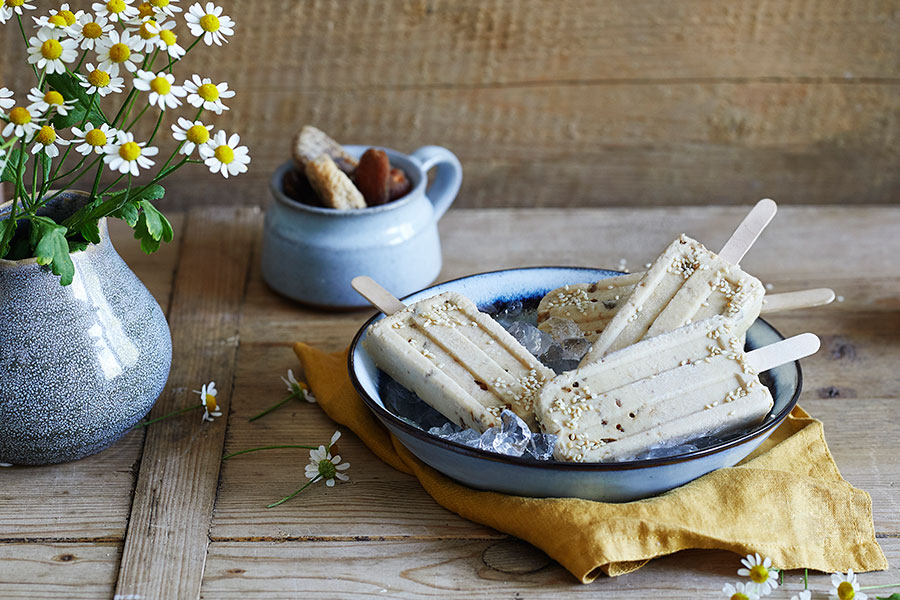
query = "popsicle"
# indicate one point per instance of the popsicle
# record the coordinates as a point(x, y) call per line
point(592, 305)
point(686, 283)
point(454, 357)
point(684, 384)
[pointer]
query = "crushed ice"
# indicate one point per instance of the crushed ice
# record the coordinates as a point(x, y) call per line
point(512, 438)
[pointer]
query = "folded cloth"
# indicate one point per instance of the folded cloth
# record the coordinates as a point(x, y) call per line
point(786, 501)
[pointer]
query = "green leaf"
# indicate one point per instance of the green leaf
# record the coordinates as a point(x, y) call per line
point(77, 246)
point(128, 212)
point(7, 231)
point(46, 164)
point(9, 173)
point(68, 86)
point(152, 227)
point(90, 231)
point(51, 248)
point(894, 596)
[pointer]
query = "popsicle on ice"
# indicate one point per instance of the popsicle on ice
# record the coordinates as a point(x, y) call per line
point(454, 357)
point(592, 305)
point(686, 283)
point(669, 389)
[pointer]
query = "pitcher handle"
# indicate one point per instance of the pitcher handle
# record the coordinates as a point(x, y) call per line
point(442, 191)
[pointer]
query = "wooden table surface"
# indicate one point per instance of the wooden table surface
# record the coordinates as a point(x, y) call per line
point(159, 516)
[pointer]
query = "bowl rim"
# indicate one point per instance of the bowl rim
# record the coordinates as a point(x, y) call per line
point(556, 465)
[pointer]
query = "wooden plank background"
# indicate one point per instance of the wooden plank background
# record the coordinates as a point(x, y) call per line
point(556, 103)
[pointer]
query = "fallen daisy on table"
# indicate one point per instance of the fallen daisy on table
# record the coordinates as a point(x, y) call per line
point(763, 577)
point(323, 466)
point(740, 591)
point(297, 389)
point(208, 402)
point(804, 595)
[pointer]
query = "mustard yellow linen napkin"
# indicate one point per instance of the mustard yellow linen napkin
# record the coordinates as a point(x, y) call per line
point(786, 501)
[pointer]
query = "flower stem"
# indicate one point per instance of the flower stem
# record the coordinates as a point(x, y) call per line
point(171, 414)
point(286, 498)
point(239, 452)
point(879, 587)
point(805, 579)
point(135, 120)
point(273, 407)
point(25, 37)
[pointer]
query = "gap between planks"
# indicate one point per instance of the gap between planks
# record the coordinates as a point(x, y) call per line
point(165, 545)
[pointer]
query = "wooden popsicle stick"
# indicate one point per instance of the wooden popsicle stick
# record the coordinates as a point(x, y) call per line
point(785, 351)
point(793, 300)
point(746, 233)
point(380, 298)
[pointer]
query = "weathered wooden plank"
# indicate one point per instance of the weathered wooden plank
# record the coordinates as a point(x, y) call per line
point(165, 547)
point(90, 498)
point(58, 570)
point(476, 569)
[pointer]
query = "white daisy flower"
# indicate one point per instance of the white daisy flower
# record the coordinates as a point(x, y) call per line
point(21, 123)
point(208, 395)
point(6, 99)
point(115, 10)
point(298, 387)
point(760, 572)
point(46, 140)
point(162, 92)
point(43, 102)
point(223, 154)
point(322, 465)
point(740, 591)
point(47, 52)
point(845, 587)
point(93, 139)
point(203, 92)
point(167, 7)
point(168, 41)
point(146, 34)
point(191, 134)
point(118, 49)
point(60, 19)
point(100, 81)
point(10, 7)
point(804, 595)
point(89, 30)
point(209, 22)
point(127, 156)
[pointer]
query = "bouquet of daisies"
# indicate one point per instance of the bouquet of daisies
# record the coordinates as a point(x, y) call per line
point(98, 74)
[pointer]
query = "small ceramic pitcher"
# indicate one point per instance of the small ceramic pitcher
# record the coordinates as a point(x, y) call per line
point(311, 253)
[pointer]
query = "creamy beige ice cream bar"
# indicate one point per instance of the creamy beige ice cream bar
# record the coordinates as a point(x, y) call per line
point(680, 385)
point(458, 360)
point(686, 283)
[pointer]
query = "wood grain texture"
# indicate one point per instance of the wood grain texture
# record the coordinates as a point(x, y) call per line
point(53, 502)
point(60, 570)
point(165, 547)
point(476, 569)
point(569, 103)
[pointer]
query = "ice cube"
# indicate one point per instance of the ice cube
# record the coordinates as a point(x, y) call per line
point(535, 341)
point(575, 348)
point(563, 329)
point(554, 358)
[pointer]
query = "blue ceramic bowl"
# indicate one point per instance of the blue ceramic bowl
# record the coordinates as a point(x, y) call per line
point(607, 482)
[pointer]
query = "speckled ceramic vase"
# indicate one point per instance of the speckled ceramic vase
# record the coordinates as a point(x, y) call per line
point(79, 365)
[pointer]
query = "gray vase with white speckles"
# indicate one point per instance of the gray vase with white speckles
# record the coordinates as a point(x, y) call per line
point(79, 365)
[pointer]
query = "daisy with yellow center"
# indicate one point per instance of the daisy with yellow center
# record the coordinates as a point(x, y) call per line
point(100, 81)
point(192, 135)
point(146, 35)
point(43, 102)
point(762, 576)
point(118, 50)
point(45, 51)
point(225, 155)
point(93, 140)
point(161, 86)
point(8, 8)
point(209, 23)
point(167, 7)
point(88, 30)
point(202, 92)
point(208, 395)
point(60, 19)
point(323, 466)
point(846, 587)
point(168, 41)
point(46, 140)
point(6, 99)
point(21, 123)
point(115, 10)
point(145, 10)
point(124, 155)
point(740, 591)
